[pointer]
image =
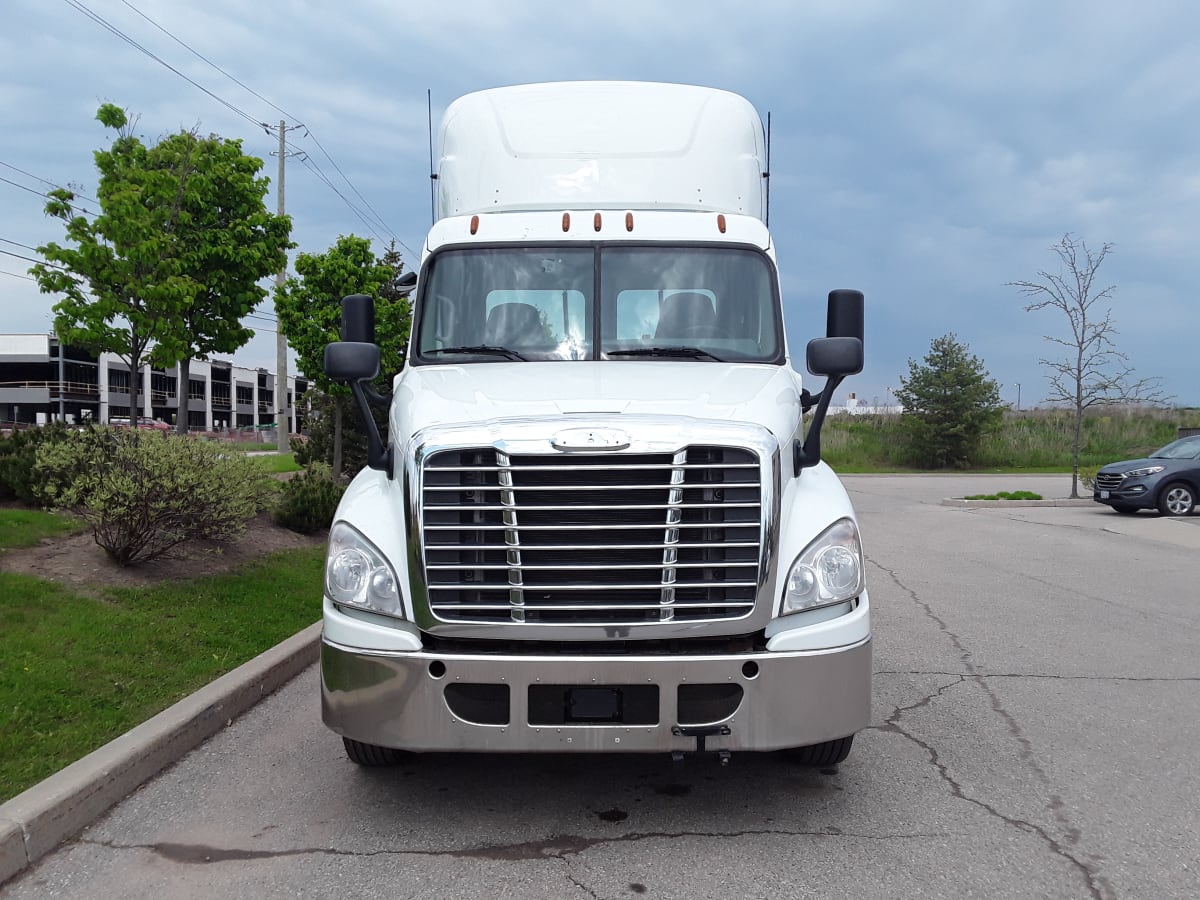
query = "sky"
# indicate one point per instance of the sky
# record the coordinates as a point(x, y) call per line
point(928, 153)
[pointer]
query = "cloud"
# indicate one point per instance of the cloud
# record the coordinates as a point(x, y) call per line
point(927, 153)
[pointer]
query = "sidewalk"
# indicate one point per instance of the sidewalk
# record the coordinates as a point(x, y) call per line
point(34, 822)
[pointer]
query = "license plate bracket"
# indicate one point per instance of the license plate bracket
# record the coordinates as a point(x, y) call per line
point(593, 704)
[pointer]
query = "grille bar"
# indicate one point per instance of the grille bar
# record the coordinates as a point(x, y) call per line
point(494, 507)
point(629, 538)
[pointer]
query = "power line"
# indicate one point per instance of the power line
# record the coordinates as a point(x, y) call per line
point(47, 181)
point(33, 260)
point(78, 209)
point(15, 275)
point(22, 187)
point(379, 220)
point(201, 56)
point(79, 6)
point(108, 26)
point(19, 244)
point(307, 162)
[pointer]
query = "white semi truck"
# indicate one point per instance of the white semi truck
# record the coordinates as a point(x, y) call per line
point(597, 521)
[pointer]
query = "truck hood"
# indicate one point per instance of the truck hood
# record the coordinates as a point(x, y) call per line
point(439, 395)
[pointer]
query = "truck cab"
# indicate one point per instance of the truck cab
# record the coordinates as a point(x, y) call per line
point(597, 521)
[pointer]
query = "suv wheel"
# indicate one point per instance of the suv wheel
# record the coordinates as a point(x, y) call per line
point(1177, 499)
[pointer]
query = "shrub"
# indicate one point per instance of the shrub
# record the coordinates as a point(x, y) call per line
point(309, 500)
point(145, 494)
point(1005, 495)
point(1087, 476)
point(18, 452)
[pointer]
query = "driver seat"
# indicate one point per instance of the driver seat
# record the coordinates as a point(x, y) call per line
point(686, 315)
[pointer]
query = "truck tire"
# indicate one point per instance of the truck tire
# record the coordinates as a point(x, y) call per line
point(828, 753)
point(371, 755)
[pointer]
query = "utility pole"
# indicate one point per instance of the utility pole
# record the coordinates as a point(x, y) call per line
point(281, 402)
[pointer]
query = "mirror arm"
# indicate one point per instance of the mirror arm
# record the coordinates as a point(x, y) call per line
point(379, 455)
point(807, 454)
point(375, 396)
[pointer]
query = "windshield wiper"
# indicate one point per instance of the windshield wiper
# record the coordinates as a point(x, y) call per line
point(480, 350)
point(667, 353)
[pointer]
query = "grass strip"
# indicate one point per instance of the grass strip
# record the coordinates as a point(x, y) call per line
point(279, 462)
point(76, 672)
point(27, 527)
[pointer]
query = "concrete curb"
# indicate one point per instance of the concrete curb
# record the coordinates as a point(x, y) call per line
point(988, 504)
point(34, 822)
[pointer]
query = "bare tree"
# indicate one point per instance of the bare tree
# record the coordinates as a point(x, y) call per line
point(1093, 372)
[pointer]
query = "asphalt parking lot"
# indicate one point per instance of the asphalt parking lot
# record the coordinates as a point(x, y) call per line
point(1035, 729)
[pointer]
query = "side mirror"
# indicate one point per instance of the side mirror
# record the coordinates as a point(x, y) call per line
point(352, 361)
point(355, 359)
point(844, 314)
point(358, 319)
point(835, 356)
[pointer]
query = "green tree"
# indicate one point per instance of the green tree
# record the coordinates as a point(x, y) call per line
point(309, 308)
point(227, 242)
point(949, 403)
point(168, 268)
point(1093, 372)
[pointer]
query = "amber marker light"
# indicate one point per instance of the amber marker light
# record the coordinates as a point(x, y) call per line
point(629, 221)
point(596, 221)
point(721, 224)
point(566, 221)
point(474, 224)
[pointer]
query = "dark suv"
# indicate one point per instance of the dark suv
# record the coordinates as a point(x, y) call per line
point(1167, 480)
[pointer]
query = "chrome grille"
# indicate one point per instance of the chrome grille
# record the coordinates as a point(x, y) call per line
point(1107, 481)
point(610, 539)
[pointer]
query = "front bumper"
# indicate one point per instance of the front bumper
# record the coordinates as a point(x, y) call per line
point(1136, 495)
point(426, 701)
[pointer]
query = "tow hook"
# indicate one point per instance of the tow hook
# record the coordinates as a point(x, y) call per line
point(701, 733)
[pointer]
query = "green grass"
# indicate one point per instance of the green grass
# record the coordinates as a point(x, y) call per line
point(76, 672)
point(1029, 442)
point(1005, 495)
point(280, 462)
point(27, 527)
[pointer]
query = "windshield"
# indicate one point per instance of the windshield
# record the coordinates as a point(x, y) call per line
point(1186, 448)
point(613, 302)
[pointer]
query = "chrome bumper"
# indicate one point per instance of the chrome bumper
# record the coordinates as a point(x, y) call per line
point(554, 704)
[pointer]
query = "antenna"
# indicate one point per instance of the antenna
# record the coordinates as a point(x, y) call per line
point(767, 174)
point(432, 173)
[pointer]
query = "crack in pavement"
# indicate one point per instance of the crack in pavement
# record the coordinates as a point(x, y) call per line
point(1149, 679)
point(1098, 886)
point(559, 847)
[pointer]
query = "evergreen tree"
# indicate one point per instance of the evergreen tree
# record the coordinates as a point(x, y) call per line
point(949, 403)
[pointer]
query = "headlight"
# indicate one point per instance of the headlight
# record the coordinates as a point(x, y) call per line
point(356, 574)
point(1142, 473)
point(830, 570)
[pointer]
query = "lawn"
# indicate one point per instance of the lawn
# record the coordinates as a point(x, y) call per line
point(279, 462)
point(77, 671)
point(26, 527)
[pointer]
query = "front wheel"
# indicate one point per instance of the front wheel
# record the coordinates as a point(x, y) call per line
point(827, 753)
point(1177, 499)
point(372, 755)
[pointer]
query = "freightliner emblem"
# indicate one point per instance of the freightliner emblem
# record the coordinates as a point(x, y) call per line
point(577, 440)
